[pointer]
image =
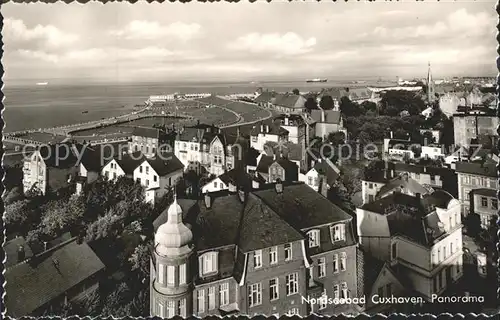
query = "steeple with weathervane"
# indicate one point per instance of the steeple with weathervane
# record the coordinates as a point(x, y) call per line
point(430, 86)
point(171, 267)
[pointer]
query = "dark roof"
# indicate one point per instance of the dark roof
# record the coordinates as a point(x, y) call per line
point(60, 155)
point(293, 119)
point(331, 116)
point(201, 133)
point(488, 168)
point(165, 164)
point(146, 132)
point(235, 176)
point(485, 192)
point(265, 96)
point(288, 100)
point(186, 206)
point(251, 157)
point(11, 248)
point(94, 155)
point(264, 163)
point(292, 151)
point(372, 268)
point(286, 164)
point(403, 181)
point(268, 129)
point(301, 206)
point(359, 93)
point(129, 161)
point(335, 93)
point(326, 168)
point(47, 276)
point(401, 143)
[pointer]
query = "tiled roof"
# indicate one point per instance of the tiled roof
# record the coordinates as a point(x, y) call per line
point(264, 163)
point(359, 93)
point(146, 132)
point(330, 170)
point(252, 156)
point(235, 176)
point(268, 129)
point(331, 116)
point(487, 169)
point(291, 101)
point(292, 151)
point(201, 133)
point(94, 156)
point(11, 248)
point(265, 97)
point(33, 284)
point(403, 181)
point(335, 93)
point(128, 162)
point(55, 155)
point(485, 192)
point(187, 206)
point(166, 164)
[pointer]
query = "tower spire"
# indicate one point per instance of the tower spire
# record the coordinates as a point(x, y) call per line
point(430, 84)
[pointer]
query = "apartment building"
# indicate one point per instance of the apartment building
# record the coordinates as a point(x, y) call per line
point(253, 253)
point(122, 165)
point(150, 141)
point(227, 152)
point(234, 176)
point(299, 130)
point(327, 122)
point(192, 146)
point(474, 175)
point(484, 203)
point(419, 236)
point(469, 125)
point(323, 176)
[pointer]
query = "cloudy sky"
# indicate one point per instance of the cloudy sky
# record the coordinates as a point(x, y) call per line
point(259, 41)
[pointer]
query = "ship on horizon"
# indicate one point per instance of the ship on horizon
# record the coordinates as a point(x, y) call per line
point(42, 83)
point(316, 80)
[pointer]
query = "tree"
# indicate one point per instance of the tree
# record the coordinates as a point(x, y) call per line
point(326, 103)
point(60, 216)
point(369, 106)
point(336, 138)
point(296, 92)
point(310, 104)
point(15, 194)
point(139, 260)
point(350, 109)
point(21, 216)
point(104, 227)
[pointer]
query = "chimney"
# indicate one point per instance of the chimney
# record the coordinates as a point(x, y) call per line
point(21, 254)
point(409, 137)
point(417, 195)
point(198, 122)
point(242, 195)
point(232, 188)
point(278, 186)
point(267, 128)
point(425, 169)
point(392, 135)
point(323, 116)
point(386, 169)
point(255, 183)
point(286, 120)
point(262, 128)
point(45, 246)
point(208, 201)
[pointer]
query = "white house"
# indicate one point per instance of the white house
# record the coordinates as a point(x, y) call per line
point(158, 175)
point(263, 133)
point(433, 152)
point(323, 171)
point(420, 236)
point(122, 165)
point(326, 122)
point(192, 146)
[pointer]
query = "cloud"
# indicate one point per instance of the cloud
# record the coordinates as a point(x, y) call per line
point(16, 33)
point(152, 30)
point(287, 44)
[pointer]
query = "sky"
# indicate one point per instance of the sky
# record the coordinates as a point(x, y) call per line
point(123, 42)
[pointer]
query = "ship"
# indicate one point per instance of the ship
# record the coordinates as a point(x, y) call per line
point(316, 80)
point(86, 111)
point(42, 83)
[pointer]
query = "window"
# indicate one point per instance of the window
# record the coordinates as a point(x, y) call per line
point(171, 275)
point(371, 198)
point(433, 259)
point(209, 263)
point(255, 295)
point(155, 178)
point(211, 298)
point(201, 301)
point(138, 180)
point(147, 170)
point(380, 291)
point(494, 204)
point(257, 259)
point(292, 284)
point(106, 173)
point(310, 181)
point(170, 309)
point(370, 185)
point(444, 253)
point(147, 182)
point(313, 238)
point(224, 294)
point(170, 181)
point(345, 291)
point(467, 194)
point(338, 232)
point(456, 218)
point(215, 184)
point(335, 263)
point(153, 149)
point(316, 182)
point(484, 202)
point(288, 252)
point(182, 274)
point(293, 311)
point(394, 251)
point(140, 169)
point(343, 261)
point(388, 289)
point(182, 308)
point(433, 179)
point(161, 310)
point(273, 255)
point(161, 273)
point(336, 292)
point(114, 175)
point(274, 289)
point(323, 301)
point(321, 267)
point(451, 247)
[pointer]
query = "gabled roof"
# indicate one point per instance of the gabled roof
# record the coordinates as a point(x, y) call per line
point(47, 276)
point(287, 100)
point(268, 129)
point(203, 133)
point(487, 169)
point(235, 176)
point(335, 93)
point(146, 132)
point(328, 169)
point(403, 181)
point(331, 116)
point(264, 163)
point(165, 164)
point(61, 155)
point(129, 161)
point(286, 164)
point(265, 97)
point(292, 151)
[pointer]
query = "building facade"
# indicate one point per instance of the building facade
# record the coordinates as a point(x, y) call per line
point(150, 141)
point(469, 125)
point(263, 133)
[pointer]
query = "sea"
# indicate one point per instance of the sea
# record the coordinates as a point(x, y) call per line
point(32, 106)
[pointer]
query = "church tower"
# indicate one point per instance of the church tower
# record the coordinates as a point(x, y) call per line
point(430, 86)
point(171, 267)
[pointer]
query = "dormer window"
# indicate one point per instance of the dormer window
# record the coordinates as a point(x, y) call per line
point(257, 259)
point(313, 238)
point(338, 232)
point(208, 263)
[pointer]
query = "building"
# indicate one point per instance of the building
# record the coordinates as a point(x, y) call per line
point(263, 133)
point(254, 253)
point(484, 203)
point(358, 95)
point(432, 151)
point(51, 168)
point(192, 146)
point(431, 93)
point(294, 152)
point(283, 169)
point(469, 125)
point(158, 175)
point(266, 99)
point(327, 122)
point(122, 165)
point(289, 103)
point(419, 236)
point(296, 126)
point(431, 177)
point(323, 176)
point(66, 272)
point(400, 149)
point(234, 176)
point(150, 141)
point(227, 152)
point(474, 175)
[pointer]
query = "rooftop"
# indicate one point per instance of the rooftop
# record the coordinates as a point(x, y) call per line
point(331, 116)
